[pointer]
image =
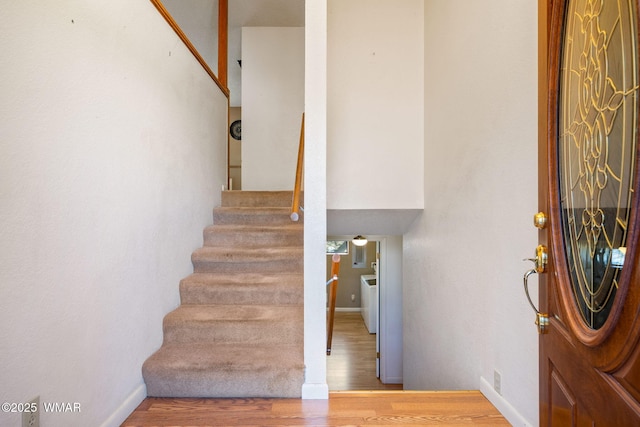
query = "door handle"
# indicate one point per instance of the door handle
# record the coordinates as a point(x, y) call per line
point(540, 266)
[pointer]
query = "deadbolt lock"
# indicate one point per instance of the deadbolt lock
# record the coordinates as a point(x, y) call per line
point(540, 220)
point(541, 259)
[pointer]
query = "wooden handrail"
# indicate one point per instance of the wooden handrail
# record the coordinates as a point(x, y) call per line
point(333, 290)
point(297, 188)
point(173, 24)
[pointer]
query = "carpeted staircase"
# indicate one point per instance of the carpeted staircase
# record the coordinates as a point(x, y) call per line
point(238, 331)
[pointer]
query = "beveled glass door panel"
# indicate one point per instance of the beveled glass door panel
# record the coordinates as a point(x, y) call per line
point(597, 115)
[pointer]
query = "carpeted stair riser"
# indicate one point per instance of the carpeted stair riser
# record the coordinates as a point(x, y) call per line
point(258, 236)
point(268, 383)
point(242, 289)
point(251, 216)
point(189, 370)
point(250, 260)
point(257, 199)
point(257, 324)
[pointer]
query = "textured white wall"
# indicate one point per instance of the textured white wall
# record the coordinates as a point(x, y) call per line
point(273, 88)
point(375, 108)
point(198, 19)
point(112, 155)
point(465, 313)
point(391, 370)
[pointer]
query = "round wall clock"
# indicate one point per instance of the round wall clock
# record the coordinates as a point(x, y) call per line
point(235, 130)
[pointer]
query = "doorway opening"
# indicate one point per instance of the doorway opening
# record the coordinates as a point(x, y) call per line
point(366, 348)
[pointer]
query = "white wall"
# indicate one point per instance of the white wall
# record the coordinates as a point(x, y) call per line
point(273, 88)
point(465, 312)
point(375, 95)
point(390, 297)
point(112, 156)
point(198, 19)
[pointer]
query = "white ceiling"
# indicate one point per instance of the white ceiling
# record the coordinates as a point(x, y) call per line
point(266, 13)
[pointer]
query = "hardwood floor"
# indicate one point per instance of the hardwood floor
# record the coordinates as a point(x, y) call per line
point(351, 366)
point(352, 363)
point(382, 408)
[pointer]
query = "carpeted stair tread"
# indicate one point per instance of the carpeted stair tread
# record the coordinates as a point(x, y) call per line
point(253, 235)
point(212, 259)
point(234, 324)
point(257, 198)
point(252, 216)
point(213, 312)
point(231, 254)
point(225, 370)
point(242, 288)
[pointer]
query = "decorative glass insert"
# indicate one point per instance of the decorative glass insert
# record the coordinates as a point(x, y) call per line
point(597, 119)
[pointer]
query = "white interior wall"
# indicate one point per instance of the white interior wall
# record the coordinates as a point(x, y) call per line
point(112, 157)
point(375, 92)
point(273, 90)
point(198, 19)
point(465, 312)
point(349, 275)
point(390, 310)
point(375, 137)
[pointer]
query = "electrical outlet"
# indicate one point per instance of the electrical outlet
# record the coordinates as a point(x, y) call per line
point(497, 380)
point(353, 297)
point(31, 418)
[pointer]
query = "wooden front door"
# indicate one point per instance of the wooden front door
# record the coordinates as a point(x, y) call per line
point(589, 287)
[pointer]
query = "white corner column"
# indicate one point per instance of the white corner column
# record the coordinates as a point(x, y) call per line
point(315, 214)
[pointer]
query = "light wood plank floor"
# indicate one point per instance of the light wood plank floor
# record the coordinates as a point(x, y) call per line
point(351, 366)
point(382, 408)
point(352, 363)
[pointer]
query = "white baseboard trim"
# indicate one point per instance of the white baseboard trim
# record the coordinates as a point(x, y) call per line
point(348, 309)
point(392, 380)
point(509, 412)
point(127, 407)
point(315, 391)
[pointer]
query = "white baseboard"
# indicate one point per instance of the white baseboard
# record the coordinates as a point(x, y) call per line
point(347, 309)
point(315, 391)
point(392, 380)
point(509, 412)
point(127, 407)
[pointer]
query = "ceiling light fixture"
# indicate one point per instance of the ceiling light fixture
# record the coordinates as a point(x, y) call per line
point(359, 240)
